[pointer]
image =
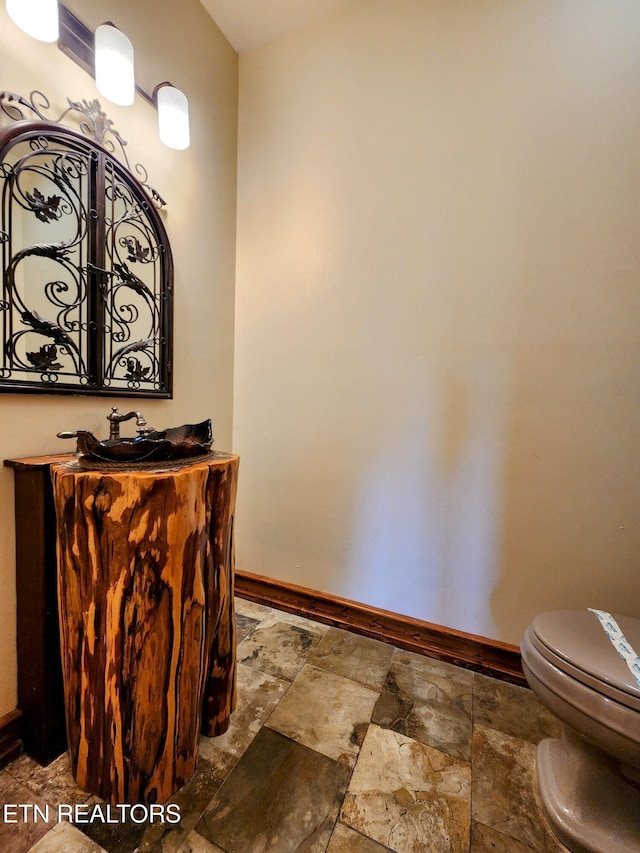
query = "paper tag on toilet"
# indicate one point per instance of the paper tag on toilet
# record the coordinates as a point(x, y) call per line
point(620, 642)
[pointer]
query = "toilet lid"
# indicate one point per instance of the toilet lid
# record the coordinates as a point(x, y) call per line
point(575, 641)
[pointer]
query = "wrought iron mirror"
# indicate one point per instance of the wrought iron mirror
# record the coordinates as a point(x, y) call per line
point(87, 290)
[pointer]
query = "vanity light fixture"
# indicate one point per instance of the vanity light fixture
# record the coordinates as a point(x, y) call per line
point(173, 116)
point(113, 53)
point(107, 56)
point(37, 18)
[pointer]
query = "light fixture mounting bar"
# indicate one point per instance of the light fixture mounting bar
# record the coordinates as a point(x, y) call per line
point(77, 42)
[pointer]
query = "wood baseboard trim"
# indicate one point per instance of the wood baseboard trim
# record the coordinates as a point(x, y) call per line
point(491, 657)
point(10, 742)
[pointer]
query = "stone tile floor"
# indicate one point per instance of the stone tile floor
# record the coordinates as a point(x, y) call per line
point(340, 744)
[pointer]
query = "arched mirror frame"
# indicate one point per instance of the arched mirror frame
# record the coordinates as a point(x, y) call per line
point(91, 313)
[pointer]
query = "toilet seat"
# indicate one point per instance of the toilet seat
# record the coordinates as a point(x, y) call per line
point(588, 778)
point(575, 642)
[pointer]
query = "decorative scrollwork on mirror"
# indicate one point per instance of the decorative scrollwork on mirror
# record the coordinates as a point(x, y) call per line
point(87, 289)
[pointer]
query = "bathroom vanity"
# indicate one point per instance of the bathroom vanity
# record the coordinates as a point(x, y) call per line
point(131, 628)
point(145, 605)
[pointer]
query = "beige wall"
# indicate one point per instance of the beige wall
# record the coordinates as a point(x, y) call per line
point(178, 41)
point(437, 354)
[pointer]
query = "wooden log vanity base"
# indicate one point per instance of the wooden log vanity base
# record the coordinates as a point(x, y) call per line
point(147, 628)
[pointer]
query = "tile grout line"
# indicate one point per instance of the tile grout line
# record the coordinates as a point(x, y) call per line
point(377, 691)
point(477, 710)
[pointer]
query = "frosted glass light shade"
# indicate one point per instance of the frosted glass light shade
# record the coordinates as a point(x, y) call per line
point(173, 117)
point(114, 65)
point(37, 18)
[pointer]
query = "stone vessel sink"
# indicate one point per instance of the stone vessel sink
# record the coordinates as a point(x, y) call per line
point(173, 444)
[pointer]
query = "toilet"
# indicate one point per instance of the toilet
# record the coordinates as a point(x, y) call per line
point(589, 778)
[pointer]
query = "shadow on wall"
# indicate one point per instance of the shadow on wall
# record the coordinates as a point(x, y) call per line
point(516, 477)
point(437, 366)
point(432, 504)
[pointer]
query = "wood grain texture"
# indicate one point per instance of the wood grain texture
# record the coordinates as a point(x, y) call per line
point(145, 581)
point(220, 690)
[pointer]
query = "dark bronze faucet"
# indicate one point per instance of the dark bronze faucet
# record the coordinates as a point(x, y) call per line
point(115, 419)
